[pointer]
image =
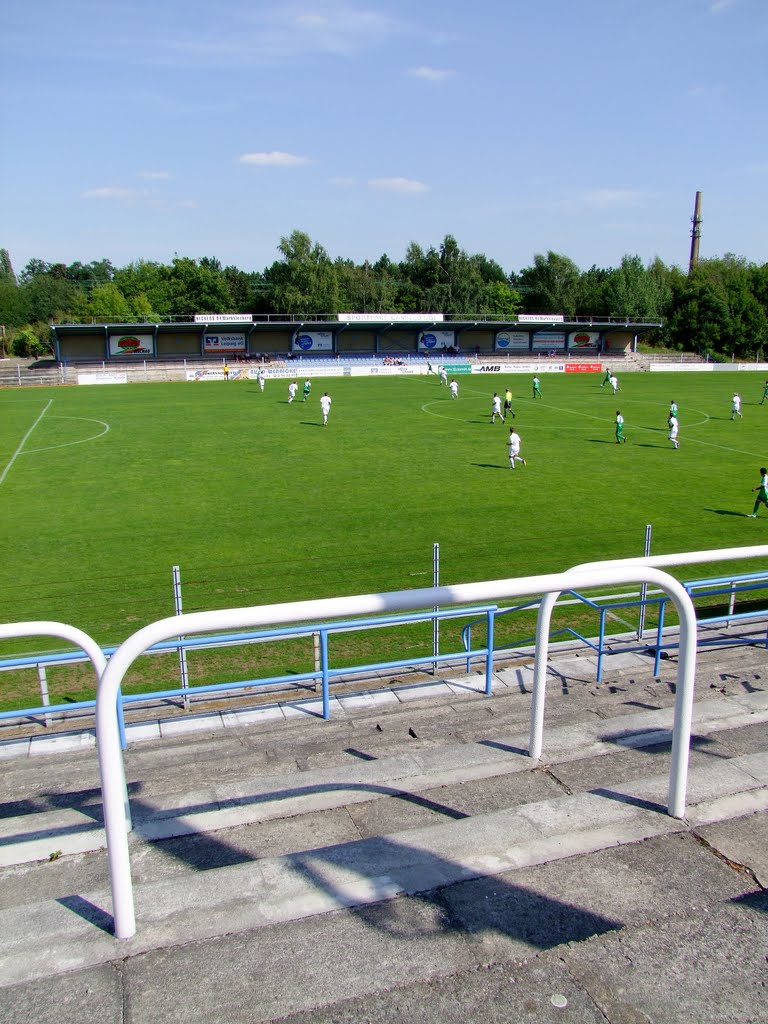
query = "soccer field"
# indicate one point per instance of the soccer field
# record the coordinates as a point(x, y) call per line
point(103, 489)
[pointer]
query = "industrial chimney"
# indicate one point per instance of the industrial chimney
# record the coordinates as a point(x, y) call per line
point(695, 235)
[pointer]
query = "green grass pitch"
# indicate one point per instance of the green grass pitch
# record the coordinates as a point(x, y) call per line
point(104, 488)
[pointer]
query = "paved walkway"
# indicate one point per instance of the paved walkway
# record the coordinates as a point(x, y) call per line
point(406, 860)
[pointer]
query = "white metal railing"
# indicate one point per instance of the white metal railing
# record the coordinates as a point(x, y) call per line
point(545, 615)
point(107, 732)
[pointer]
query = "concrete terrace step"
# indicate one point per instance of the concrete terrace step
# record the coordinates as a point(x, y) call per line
point(273, 891)
point(72, 830)
point(405, 861)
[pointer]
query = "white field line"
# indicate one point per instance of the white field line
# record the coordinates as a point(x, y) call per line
point(23, 441)
point(68, 444)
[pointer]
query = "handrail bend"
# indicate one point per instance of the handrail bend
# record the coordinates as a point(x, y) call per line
point(110, 753)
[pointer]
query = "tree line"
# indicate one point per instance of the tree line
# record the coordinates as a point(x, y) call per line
point(720, 309)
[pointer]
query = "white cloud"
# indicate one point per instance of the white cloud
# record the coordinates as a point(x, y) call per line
point(432, 74)
point(720, 5)
point(187, 204)
point(611, 197)
point(706, 90)
point(113, 192)
point(153, 175)
point(275, 158)
point(398, 184)
point(279, 33)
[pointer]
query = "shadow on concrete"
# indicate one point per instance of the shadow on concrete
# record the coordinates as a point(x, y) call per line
point(88, 911)
point(465, 904)
point(505, 747)
point(626, 798)
point(88, 801)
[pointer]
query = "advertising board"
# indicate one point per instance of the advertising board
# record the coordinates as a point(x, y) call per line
point(131, 345)
point(223, 342)
point(312, 341)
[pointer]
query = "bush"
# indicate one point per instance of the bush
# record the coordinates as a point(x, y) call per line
point(31, 342)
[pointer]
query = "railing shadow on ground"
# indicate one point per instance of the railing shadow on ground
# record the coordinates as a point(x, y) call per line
point(370, 876)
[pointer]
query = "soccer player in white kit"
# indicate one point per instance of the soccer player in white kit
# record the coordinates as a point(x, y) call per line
point(736, 406)
point(514, 442)
point(454, 389)
point(325, 405)
point(496, 409)
point(673, 428)
point(293, 387)
point(262, 379)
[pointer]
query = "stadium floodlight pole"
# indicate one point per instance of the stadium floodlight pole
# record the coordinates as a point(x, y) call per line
point(107, 733)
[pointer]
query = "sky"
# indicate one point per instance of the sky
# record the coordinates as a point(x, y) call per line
point(149, 128)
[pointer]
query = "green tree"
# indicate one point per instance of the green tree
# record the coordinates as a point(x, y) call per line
point(147, 279)
point(304, 280)
point(107, 302)
point(32, 341)
point(6, 267)
point(591, 297)
point(47, 297)
point(636, 292)
point(550, 285)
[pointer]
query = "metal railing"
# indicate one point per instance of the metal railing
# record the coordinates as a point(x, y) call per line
point(323, 673)
point(592, 320)
point(726, 586)
point(107, 732)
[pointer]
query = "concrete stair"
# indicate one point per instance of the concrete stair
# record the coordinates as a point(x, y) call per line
point(412, 806)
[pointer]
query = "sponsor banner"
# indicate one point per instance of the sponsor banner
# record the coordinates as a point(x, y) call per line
point(515, 366)
point(583, 367)
point(457, 367)
point(430, 341)
point(388, 318)
point(312, 341)
point(102, 378)
point(131, 345)
point(677, 367)
point(220, 342)
point(383, 371)
point(541, 318)
point(224, 318)
point(217, 373)
point(509, 340)
point(583, 339)
point(548, 339)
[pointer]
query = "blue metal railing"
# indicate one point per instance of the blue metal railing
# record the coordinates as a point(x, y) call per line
point(729, 586)
point(325, 673)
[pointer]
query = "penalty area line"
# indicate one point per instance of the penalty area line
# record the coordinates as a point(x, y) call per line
point(18, 451)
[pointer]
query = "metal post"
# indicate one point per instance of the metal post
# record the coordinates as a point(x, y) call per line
point(731, 605)
point(435, 621)
point(318, 654)
point(44, 691)
point(182, 650)
point(644, 587)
